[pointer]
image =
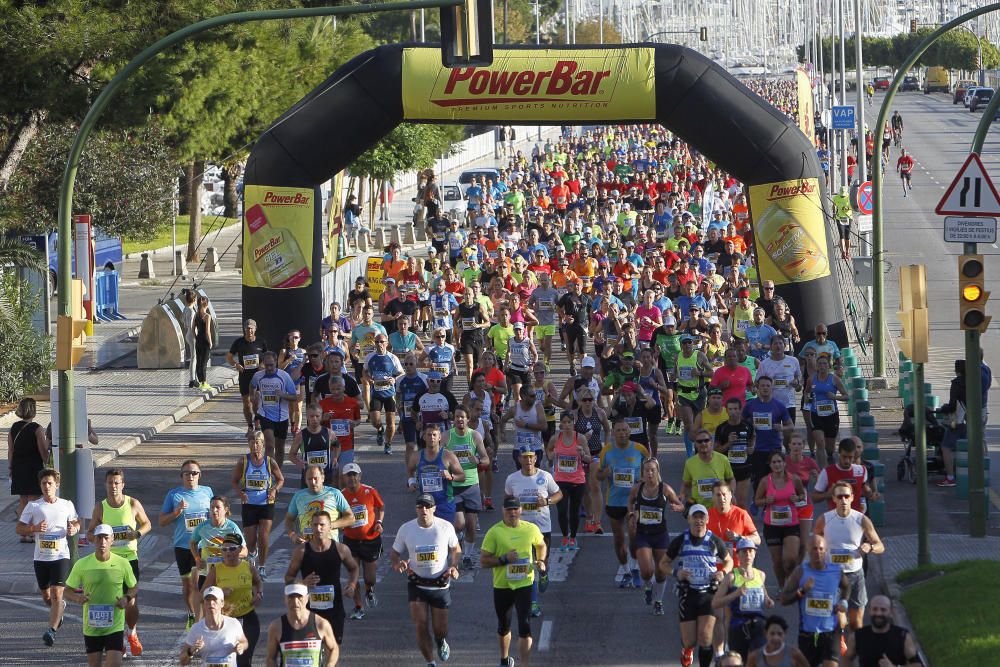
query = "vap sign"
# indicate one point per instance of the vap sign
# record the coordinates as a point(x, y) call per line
point(843, 118)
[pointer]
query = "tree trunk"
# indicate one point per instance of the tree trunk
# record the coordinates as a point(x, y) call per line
point(194, 209)
point(230, 197)
point(184, 189)
point(372, 203)
point(17, 143)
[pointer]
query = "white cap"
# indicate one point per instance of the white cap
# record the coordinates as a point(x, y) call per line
point(104, 529)
point(694, 509)
point(215, 592)
point(588, 362)
point(351, 467)
point(296, 589)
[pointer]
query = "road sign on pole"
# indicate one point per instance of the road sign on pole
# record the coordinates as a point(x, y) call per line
point(866, 201)
point(971, 193)
point(843, 118)
point(970, 230)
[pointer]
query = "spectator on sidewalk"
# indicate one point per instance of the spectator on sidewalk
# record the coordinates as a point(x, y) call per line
point(881, 639)
point(187, 328)
point(954, 422)
point(27, 452)
point(203, 342)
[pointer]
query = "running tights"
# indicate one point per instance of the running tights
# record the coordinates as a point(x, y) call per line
point(251, 629)
point(568, 509)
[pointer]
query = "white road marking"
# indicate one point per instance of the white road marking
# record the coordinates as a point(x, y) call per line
point(38, 606)
point(545, 636)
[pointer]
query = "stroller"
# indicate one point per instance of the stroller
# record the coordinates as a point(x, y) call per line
point(906, 468)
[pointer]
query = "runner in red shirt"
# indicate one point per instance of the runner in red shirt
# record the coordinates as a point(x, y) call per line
point(341, 414)
point(364, 536)
point(904, 165)
point(560, 196)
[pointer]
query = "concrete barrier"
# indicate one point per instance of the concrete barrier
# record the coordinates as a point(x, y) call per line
point(146, 270)
point(180, 264)
point(238, 264)
point(212, 260)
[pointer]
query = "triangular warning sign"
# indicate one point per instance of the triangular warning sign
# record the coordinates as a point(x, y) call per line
point(971, 193)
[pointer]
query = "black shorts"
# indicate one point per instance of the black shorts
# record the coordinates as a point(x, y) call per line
point(576, 338)
point(51, 572)
point(697, 405)
point(379, 403)
point(830, 425)
point(409, 429)
point(759, 467)
point(845, 230)
point(905, 175)
point(518, 377)
point(692, 604)
point(791, 414)
point(254, 514)
point(655, 541)
point(616, 513)
point(471, 343)
point(280, 429)
point(100, 643)
point(819, 647)
point(774, 536)
point(368, 551)
point(437, 598)
point(336, 618)
point(185, 561)
point(134, 564)
point(245, 378)
point(359, 370)
point(741, 471)
point(654, 416)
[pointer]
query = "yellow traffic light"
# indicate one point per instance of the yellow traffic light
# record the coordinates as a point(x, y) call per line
point(972, 294)
point(913, 25)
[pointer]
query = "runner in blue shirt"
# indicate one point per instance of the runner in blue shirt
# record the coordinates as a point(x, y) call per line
point(770, 419)
point(381, 370)
point(186, 507)
point(273, 387)
point(408, 387)
point(759, 335)
point(443, 306)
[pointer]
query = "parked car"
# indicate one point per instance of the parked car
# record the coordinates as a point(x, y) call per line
point(491, 173)
point(910, 83)
point(970, 92)
point(980, 99)
point(881, 83)
point(453, 201)
point(962, 87)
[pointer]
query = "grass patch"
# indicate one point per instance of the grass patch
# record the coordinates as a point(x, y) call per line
point(954, 618)
point(210, 224)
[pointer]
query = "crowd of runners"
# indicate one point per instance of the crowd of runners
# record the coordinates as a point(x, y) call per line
point(597, 305)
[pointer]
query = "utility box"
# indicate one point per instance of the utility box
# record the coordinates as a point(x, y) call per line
point(864, 276)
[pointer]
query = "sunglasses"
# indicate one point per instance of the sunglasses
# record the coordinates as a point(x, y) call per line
point(313, 356)
point(586, 400)
point(231, 549)
point(439, 337)
point(409, 363)
point(192, 473)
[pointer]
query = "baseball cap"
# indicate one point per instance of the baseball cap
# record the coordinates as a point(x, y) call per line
point(432, 250)
point(687, 339)
point(630, 387)
point(694, 509)
point(296, 589)
point(744, 292)
point(511, 503)
point(518, 325)
point(669, 321)
point(215, 592)
point(628, 355)
point(426, 499)
point(351, 467)
point(745, 543)
point(104, 529)
point(588, 362)
point(714, 391)
point(526, 450)
point(434, 375)
point(232, 538)
point(386, 281)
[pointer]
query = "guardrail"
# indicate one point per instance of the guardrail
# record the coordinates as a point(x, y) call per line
point(106, 296)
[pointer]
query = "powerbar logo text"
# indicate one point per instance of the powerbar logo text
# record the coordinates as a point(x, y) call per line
point(298, 199)
point(565, 81)
point(786, 191)
point(268, 246)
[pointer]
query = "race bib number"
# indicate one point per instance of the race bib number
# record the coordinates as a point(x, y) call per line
point(781, 515)
point(634, 425)
point(780, 383)
point(384, 384)
point(525, 439)
point(251, 362)
point(317, 458)
point(518, 570)
point(742, 325)
point(431, 482)
point(685, 373)
point(360, 516)
point(464, 454)
point(545, 304)
point(819, 604)
point(624, 478)
point(341, 427)
point(49, 544)
point(270, 399)
point(825, 408)
point(738, 453)
point(567, 464)
point(529, 502)
point(427, 556)
point(705, 486)
point(650, 516)
point(468, 322)
point(322, 597)
point(841, 556)
point(100, 615)
point(762, 421)
point(194, 519)
point(443, 369)
point(122, 535)
point(699, 576)
point(752, 600)
point(218, 661)
point(312, 383)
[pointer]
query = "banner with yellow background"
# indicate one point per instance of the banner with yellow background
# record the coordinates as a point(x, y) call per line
point(806, 113)
point(277, 237)
point(532, 85)
point(788, 231)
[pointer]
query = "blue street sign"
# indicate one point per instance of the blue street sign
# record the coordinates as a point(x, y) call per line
point(843, 118)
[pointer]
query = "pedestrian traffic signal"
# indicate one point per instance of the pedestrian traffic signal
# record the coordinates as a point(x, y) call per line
point(972, 294)
point(467, 34)
point(703, 34)
point(69, 341)
point(913, 25)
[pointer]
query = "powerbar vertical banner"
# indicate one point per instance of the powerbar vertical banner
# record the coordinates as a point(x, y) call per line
point(277, 237)
point(788, 231)
point(584, 84)
point(806, 115)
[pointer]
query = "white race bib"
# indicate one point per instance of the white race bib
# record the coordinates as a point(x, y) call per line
point(567, 464)
point(738, 453)
point(705, 486)
point(781, 515)
point(341, 427)
point(518, 570)
point(315, 458)
point(650, 516)
point(100, 615)
point(825, 408)
point(360, 516)
point(194, 519)
point(752, 600)
point(624, 478)
point(50, 544)
point(251, 362)
point(322, 597)
point(762, 421)
point(818, 604)
point(431, 482)
point(634, 425)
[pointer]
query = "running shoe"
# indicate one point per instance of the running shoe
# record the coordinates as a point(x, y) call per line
point(687, 657)
point(536, 610)
point(572, 370)
point(657, 608)
point(636, 579)
point(134, 645)
point(49, 637)
point(565, 544)
point(467, 562)
point(357, 614)
point(597, 528)
point(670, 428)
point(193, 384)
point(371, 599)
point(262, 571)
point(205, 386)
point(190, 621)
point(543, 582)
point(623, 578)
point(444, 651)
point(507, 662)
point(648, 594)
point(487, 501)
point(572, 544)
point(946, 483)
point(83, 542)
point(380, 437)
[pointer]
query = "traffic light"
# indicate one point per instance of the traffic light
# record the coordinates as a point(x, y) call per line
point(972, 294)
point(467, 34)
point(977, 62)
point(703, 34)
point(914, 338)
point(70, 336)
point(913, 25)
